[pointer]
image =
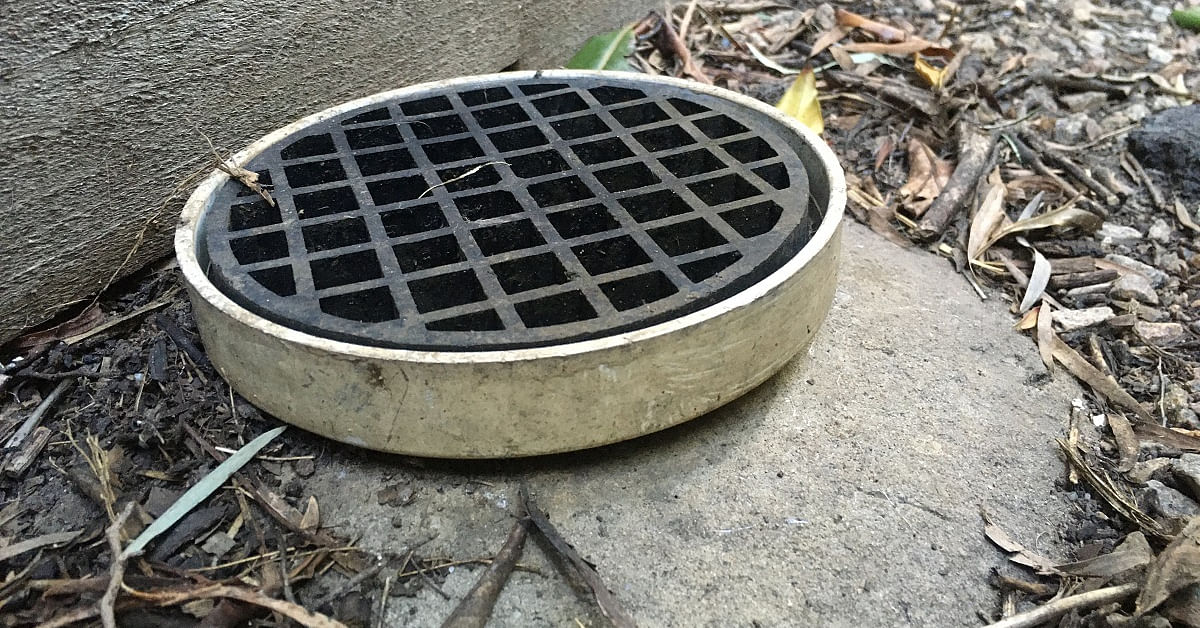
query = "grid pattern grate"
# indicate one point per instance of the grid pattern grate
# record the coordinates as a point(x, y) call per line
point(511, 214)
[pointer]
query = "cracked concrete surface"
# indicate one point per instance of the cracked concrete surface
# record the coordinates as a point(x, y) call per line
point(845, 491)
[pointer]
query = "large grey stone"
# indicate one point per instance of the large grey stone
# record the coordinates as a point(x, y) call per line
point(1170, 141)
point(104, 106)
point(843, 492)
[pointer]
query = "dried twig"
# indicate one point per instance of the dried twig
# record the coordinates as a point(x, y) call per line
point(974, 151)
point(108, 614)
point(354, 581)
point(476, 607)
point(1049, 612)
point(607, 602)
point(1071, 167)
point(39, 413)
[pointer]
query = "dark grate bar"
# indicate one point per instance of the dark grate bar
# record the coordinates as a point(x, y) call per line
point(513, 213)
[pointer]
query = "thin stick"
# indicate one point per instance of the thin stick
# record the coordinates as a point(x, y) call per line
point(974, 150)
point(383, 600)
point(476, 608)
point(1058, 608)
point(39, 413)
point(108, 615)
point(354, 581)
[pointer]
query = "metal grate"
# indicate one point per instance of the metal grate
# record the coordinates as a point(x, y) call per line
point(511, 214)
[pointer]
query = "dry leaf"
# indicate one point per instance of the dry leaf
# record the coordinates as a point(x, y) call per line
point(1063, 217)
point(1045, 334)
point(989, 217)
point(800, 101)
point(1177, 567)
point(1038, 279)
point(1016, 552)
point(1127, 441)
point(1132, 553)
point(927, 177)
point(1185, 218)
point(311, 517)
point(885, 32)
point(829, 38)
point(935, 76)
point(85, 320)
point(1101, 383)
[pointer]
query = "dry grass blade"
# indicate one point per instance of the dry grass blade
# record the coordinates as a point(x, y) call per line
point(476, 608)
point(1101, 383)
point(609, 606)
point(1177, 568)
point(54, 538)
point(1120, 501)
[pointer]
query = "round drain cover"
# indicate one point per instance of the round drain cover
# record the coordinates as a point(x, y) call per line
point(517, 263)
point(510, 213)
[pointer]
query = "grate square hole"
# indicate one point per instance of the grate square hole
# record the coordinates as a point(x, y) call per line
point(630, 292)
point(692, 163)
point(264, 180)
point(314, 173)
point(581, 221)
point(325, 202)
point(446, 291)
point(251, 215)
point(412, 220)
point(345, 269)
point(426, 128)
point(279, 280)
point(529, 89)
point(655, 205)
point(372, 136)
point(750, 149)
point(500, 116)
point(426, 105)
point(430, 253)
point(374, 305)
point(687, 107)
point(612, 254)
point(259, 248)
point(685, 237)
point(608, 95)
point(582, 126)
point(510, 236)
point(487, 320)
point(487, 205)
point(537, 164)
point(720, 126)
point(702, 269)
point(664, 138)
point(335, 234)
point(481, 178)
point(775, 174)
point(559, 104)
point(626, 177)
point(484, 96)
point(557, 309)
point(517, 139)
point(637, 115)
point(730, 187)
point(600, 151)
point(393, 160)
point(453, 150)
point(559, 191)
point(310, 146)
point(530, 273)
point(373, 115)
point(753, 220)
point(396, 190)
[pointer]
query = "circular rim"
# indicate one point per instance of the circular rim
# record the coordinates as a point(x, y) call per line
point(185, 237)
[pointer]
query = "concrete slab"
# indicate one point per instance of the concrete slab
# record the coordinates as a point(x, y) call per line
point(843, 492)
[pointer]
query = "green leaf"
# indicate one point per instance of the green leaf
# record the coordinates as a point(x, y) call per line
point(201, 491)
point(1187, 18)
point(605, 52)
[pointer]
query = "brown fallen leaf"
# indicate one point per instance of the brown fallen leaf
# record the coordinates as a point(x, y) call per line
point(1016, 552)
point(1132, 553)
point(988, 218)
point(1127, 441)
point(1067, 216)
point(311, 518)
point(885, 32)
point(1104, 385)
point(1045, 334)
point(927, 177)
point(82, 322)
point(1184, 217)
point(1177, 567)
point(829, 38)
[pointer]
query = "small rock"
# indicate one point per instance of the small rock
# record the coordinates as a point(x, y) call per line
point(1163, 334)
point(1175, 399)
point(1186, 419)
point(1168, 502)
point(1156, 276)
point(159, 500)
point(982, 44)
point(1159, 13)
point(1158, 55)
point(396, 495)
point(1133, 286)
point(1186, 470)
point(1143, 471)
point(1084, 101)
point(218, 544)
point(1170, 141)
point(1110, 233)
point(1160, 231)
point(1071, 129)
point(1070, 320)
point(304, 467)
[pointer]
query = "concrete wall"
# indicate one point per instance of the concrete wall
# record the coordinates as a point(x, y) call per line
point(103, 105)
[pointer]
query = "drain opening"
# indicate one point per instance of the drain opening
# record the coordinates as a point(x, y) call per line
point(511, 214)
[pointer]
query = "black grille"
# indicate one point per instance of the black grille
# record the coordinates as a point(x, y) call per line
point(511, 213)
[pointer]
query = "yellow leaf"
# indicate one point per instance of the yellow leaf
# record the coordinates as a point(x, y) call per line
point(800, 101)
point(927, 71)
